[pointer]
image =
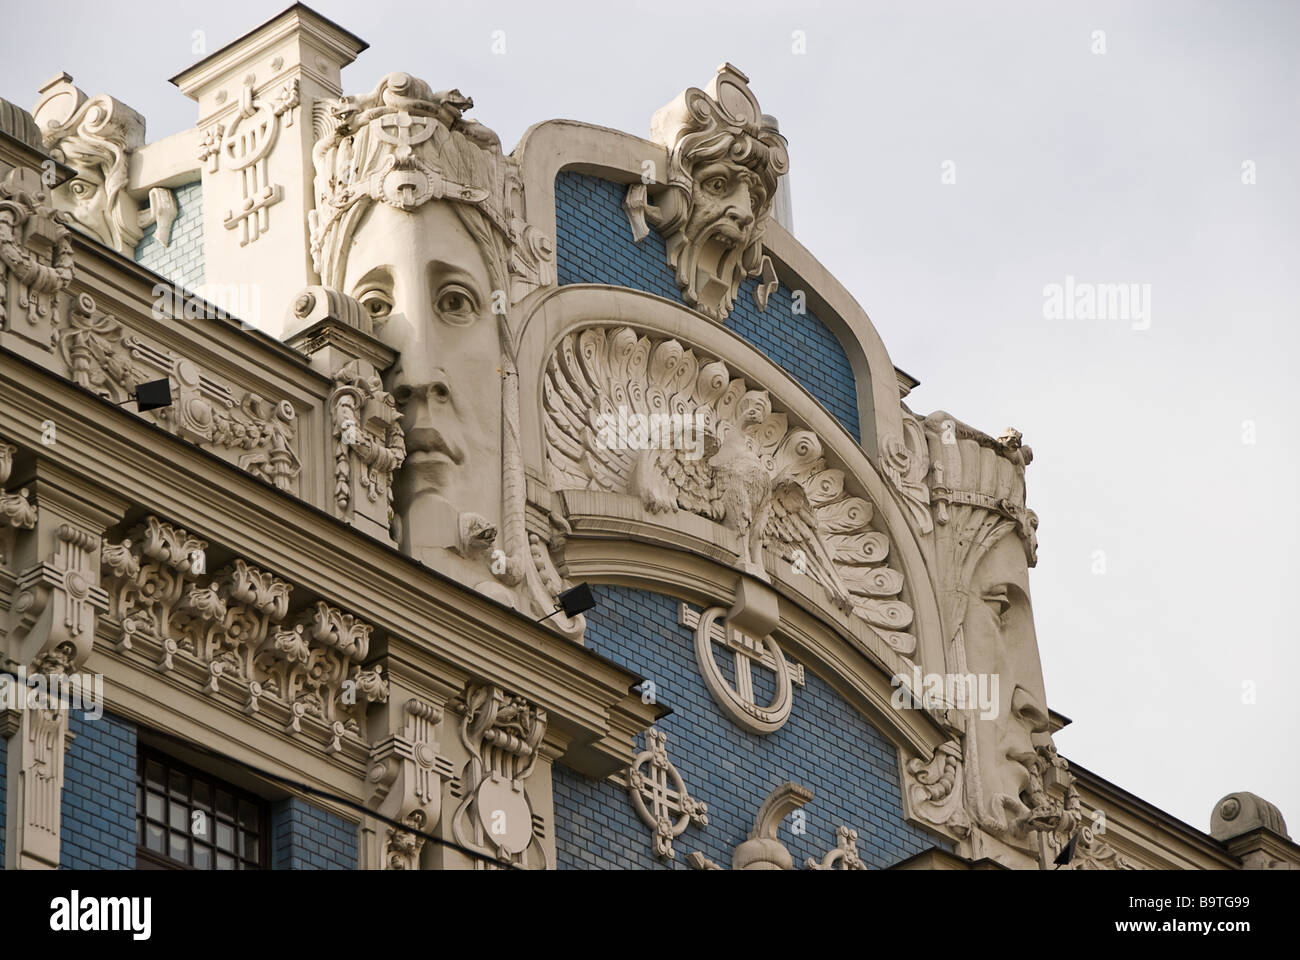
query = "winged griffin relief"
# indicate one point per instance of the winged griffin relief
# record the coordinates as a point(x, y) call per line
point(755, 472)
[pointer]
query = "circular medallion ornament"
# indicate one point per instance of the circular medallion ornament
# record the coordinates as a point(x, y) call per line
point(504, 813)
point(738, 701)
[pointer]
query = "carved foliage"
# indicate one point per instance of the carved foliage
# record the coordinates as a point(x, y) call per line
point(230, 632)
point(760, 475)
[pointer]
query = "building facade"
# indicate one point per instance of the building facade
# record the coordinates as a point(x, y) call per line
point(317, 418)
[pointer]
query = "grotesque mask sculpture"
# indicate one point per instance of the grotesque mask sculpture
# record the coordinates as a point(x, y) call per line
point(985, 542)
point(414, 219)
point(95, 136)
point(725, 160)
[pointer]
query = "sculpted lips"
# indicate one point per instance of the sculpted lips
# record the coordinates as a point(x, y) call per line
point(427, 445)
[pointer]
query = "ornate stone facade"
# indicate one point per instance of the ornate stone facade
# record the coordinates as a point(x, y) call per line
point(337, 552)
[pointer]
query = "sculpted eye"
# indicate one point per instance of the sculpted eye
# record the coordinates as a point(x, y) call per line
point(456, 304)
point(81, 189)
point(999, 603)
point(716, 185)
point(376, 303)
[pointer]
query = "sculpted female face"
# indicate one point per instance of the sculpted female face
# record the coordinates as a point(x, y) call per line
point(1000, 641)
point(426, 284)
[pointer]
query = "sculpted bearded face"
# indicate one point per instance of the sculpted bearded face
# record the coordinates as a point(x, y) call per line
point(998, 630)
point(427, 285)
point(725, 199)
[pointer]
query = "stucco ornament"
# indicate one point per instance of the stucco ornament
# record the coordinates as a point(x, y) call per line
point(985, 541)
point(758, 474)
point(96, 136)
point(725, 159)
point(416, 218)
point(659, 795)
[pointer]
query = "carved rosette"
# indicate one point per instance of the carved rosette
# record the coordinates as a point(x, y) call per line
point(502, 734)
point(753, 471)
point(232, 635)
point(368, 445)
point(259, 435)
point(659, 795)
point(35, 258)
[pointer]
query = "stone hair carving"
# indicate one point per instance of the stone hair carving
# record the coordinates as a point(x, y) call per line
point(761, 476)
point(843, 857)
point(659, 795)
point(96, 136)
point(35, 257)
point(725, 160)
point(405, 145)
point(102, 357)
point(368, 443)
point(232, 633)
point(502, 734)
point(404, 149)
point(905, 461)
point(1063, 824)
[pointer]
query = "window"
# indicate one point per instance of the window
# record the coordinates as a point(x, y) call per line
point(189, 820)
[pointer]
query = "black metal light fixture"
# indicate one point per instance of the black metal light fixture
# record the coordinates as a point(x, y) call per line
point(572, 602)
point(1067, 852)
point(153, 395)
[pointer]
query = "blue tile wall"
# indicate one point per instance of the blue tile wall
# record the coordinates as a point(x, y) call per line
point(594, 245)
point(304, 837)
point(826, 745)
point(181, 261)
point(98, 830)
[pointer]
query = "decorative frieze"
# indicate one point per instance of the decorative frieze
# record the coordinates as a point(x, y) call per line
point(233, 636)
point(659, 795)
point(734, 459)
point(257, 434)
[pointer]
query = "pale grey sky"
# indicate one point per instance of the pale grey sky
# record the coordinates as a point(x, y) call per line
point(1117, 167)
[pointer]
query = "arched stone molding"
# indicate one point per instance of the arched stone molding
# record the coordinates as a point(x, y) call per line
point(548, 148)
point(581, 306)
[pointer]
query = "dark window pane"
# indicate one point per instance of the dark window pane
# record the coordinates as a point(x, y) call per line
point(225, 862)
point(153, 774)
point(225, 805)
point(155, 839)
point(202, 857)
point(153, 806)
point(225, 837)
point(180, 849)
point(180, 784)
point(202, 794)
point(247, 815)
point(180, 817)
point(250, 847)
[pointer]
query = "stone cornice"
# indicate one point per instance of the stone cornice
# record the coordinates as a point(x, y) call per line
point(447, 626)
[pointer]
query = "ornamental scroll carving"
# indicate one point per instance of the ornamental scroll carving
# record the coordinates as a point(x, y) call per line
point(368, 444)
point(103, 357)
point(502, 734)
point(756, 472)
point(232, 634)
point(843, 857)
point(406, 777)
point(16, 509)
